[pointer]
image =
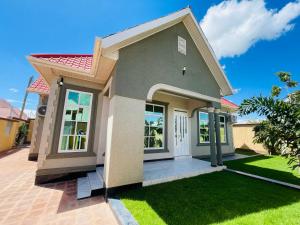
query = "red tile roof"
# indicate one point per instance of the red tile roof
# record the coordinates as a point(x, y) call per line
point(40, 86)
point(228, 103)
point(9, 112)
point(78, 61)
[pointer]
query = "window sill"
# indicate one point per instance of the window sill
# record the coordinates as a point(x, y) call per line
point(156, 151)
point(70, 155)
point(203, 144)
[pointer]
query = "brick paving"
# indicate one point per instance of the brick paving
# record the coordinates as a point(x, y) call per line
point(22, 202)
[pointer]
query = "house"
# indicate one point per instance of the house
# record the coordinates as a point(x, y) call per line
point(10, 112)
point(151, 92)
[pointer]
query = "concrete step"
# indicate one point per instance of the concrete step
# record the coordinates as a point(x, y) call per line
point(100, 171)
point(83, 188)
point(95, 180)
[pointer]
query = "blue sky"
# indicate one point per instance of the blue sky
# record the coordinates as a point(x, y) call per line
point(35, 26)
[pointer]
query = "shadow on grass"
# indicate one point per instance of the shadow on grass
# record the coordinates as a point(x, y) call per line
point(206, 199)
point(259, 166)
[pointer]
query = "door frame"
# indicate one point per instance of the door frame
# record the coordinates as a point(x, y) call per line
point(188, 131)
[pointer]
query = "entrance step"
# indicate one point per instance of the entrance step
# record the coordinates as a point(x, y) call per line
point(91, 184)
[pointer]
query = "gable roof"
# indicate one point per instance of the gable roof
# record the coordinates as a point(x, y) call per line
point(97, 67)
point(9, 112)
point(127, 37)
point(229, 104)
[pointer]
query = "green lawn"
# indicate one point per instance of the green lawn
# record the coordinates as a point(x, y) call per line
point(216, 198)
point(274, 167)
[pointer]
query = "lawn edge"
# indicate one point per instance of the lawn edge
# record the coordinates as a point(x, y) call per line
point(282, 183)
point(121, 213)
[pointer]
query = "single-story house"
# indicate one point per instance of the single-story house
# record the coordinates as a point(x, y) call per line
point(151, 92)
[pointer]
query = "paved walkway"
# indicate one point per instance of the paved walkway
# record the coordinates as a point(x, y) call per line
point(22, 202)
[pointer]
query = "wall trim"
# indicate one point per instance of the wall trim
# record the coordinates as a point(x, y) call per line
point(180, 91)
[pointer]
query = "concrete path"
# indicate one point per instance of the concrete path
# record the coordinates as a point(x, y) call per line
point(22, 202)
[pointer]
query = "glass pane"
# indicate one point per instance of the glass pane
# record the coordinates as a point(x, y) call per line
point(83, 142)
point(68, 115)
point(85, 99)
point(146, 139)
point(158, 109)
point(155, 142)
point(156, 131)
point(146, 132)
point(158, 121)
point(222, 119)
point(81, 128)
point(74, 113)
point(73, 98)
point(64, 143)
point(149, 108)
point(150, 120)
point(222, 134)
point(71, 142)
point(77, 142)
point(83, 114)
point(69, 127)
point(203, 116)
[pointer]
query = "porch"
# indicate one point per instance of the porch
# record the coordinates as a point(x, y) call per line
point(156, 172)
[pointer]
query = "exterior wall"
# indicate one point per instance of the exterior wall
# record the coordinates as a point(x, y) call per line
point(37, 132)
point(243, 135)
point(124, 147)
point(49, 161)
point(156, 60)
point(30, 130)
point(204, 149)
point(8, 131)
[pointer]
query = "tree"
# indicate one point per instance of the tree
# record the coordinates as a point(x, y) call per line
point(280, 132)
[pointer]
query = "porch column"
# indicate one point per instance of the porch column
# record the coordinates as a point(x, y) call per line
point(213, 157)
point(124, 144)
point(218, 138)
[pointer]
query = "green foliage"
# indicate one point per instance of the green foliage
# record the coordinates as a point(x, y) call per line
point(280, 132)
point(22, 133)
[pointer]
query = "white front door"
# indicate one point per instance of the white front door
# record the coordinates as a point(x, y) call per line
point(181, 137)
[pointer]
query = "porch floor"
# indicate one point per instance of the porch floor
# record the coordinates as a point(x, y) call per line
point(170, 170)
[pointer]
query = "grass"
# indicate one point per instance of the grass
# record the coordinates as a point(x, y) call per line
point(217, 198)
point(245, 151)
point(274, 167)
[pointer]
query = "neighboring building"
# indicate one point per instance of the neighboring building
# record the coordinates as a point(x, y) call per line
point(151, 92)
point(243, 137)
point(9, 112)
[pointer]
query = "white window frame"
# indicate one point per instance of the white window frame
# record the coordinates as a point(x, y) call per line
point(163, 127)
point(225, 130)
point(63, 122)
point(199, 122)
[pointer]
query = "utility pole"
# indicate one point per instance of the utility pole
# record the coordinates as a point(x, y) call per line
point(25, 97)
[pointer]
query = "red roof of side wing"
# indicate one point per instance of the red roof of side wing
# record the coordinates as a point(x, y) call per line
point(77, 61)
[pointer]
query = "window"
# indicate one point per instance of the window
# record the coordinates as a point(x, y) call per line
point(154, 127)
point(203, 127)
point(223, 129)
point(75, 122)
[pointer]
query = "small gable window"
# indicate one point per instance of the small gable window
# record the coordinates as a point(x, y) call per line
point(181, 45)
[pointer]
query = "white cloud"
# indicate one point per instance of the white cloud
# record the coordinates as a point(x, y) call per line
point(236, 90)
point(233, 26)
point(14, 90)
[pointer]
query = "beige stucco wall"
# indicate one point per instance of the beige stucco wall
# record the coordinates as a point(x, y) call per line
point(124, 147)
point(243, 138)
point(30, 130)
point(8, 132)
